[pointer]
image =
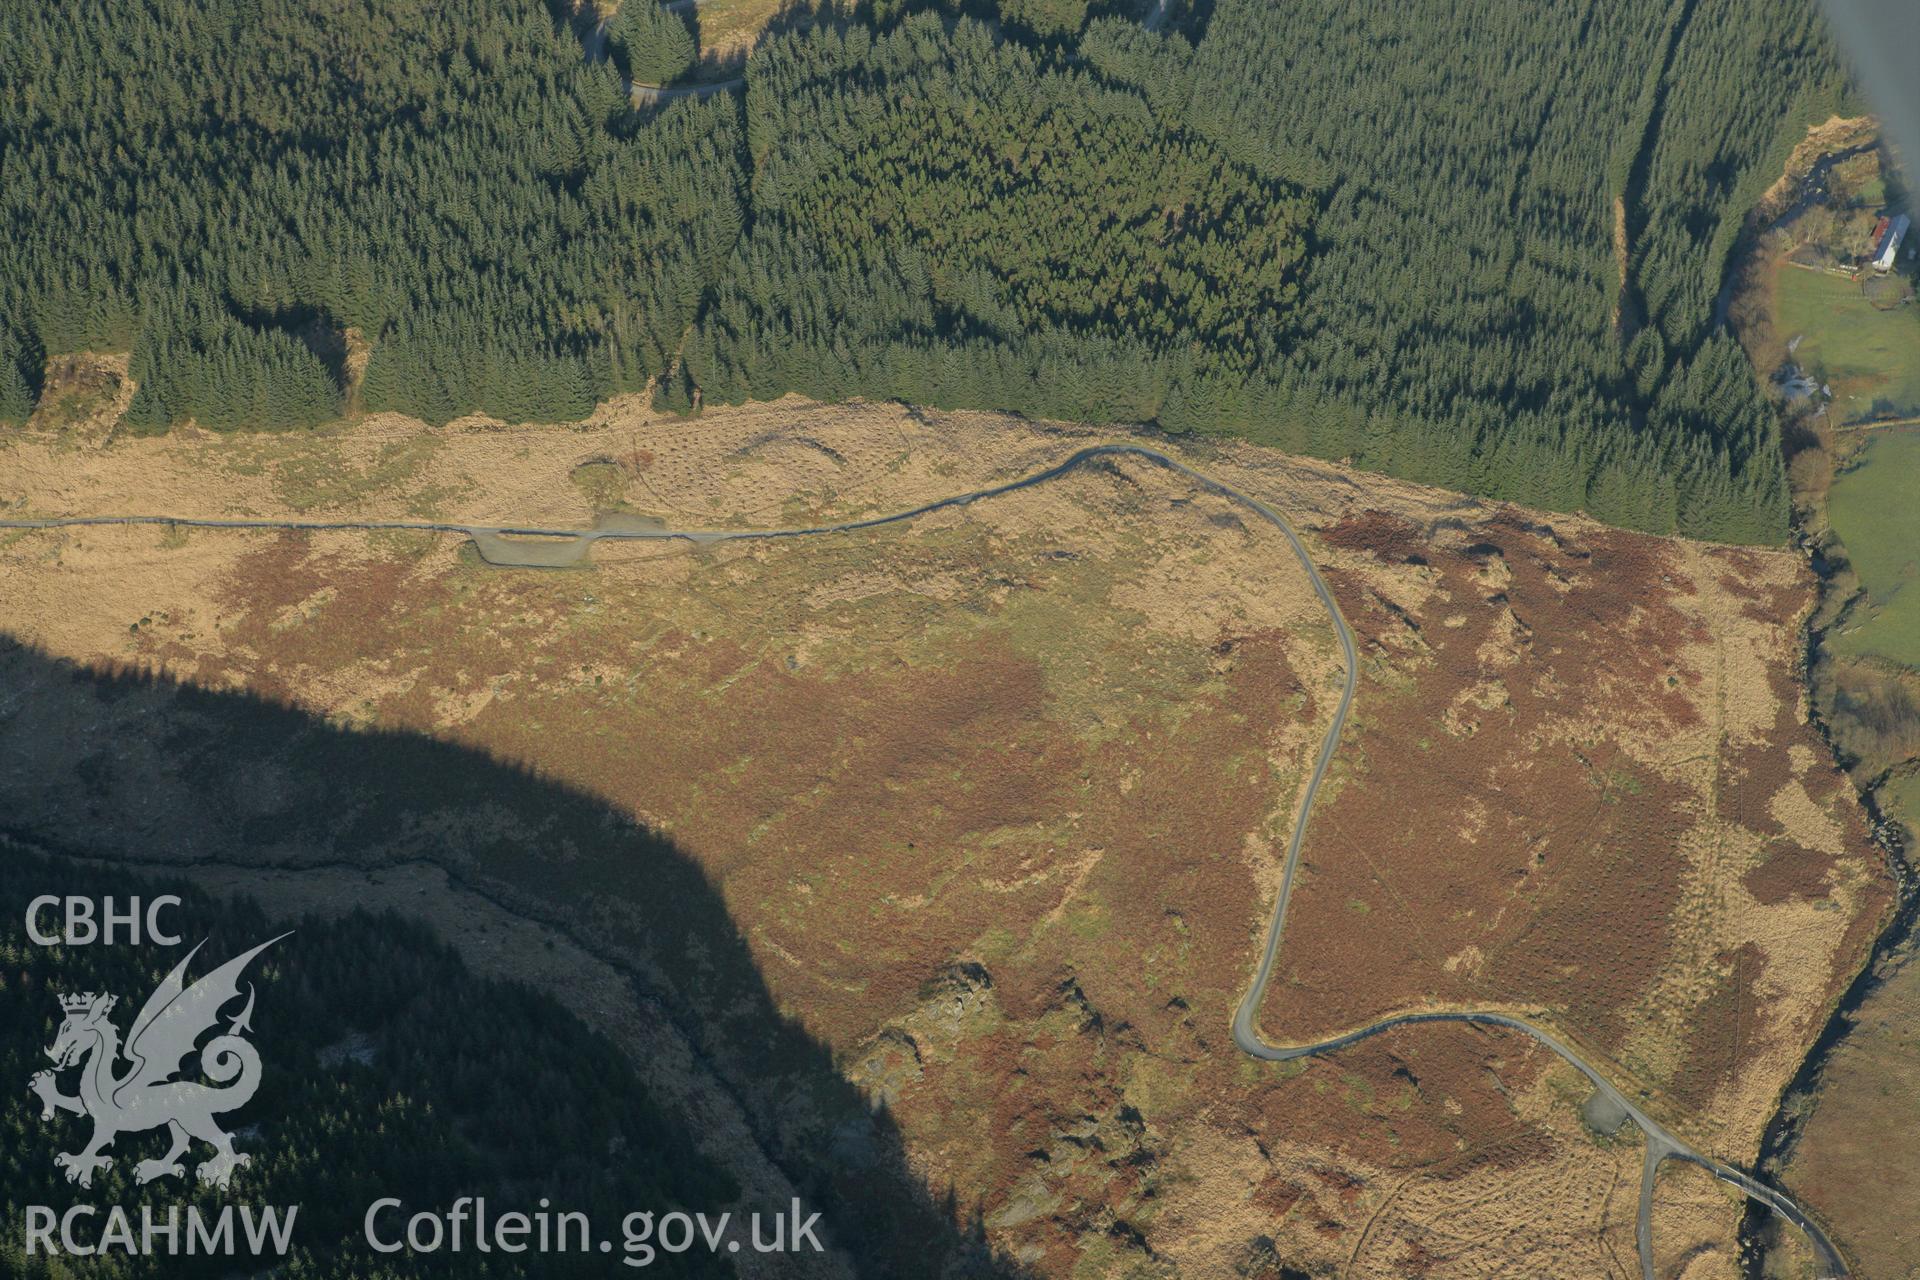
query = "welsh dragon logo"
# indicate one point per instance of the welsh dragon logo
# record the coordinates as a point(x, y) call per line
point(145, 1095)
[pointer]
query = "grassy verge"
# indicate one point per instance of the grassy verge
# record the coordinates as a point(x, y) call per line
point(1873, 510)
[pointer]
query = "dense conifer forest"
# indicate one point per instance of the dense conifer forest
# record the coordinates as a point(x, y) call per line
point(940, 219)
point(388, 1069)
point(1478, 244)
point(204, 182)
point(650, 44)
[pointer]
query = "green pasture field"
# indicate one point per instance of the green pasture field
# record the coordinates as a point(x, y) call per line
point(1875, 509)
point(1870, 358)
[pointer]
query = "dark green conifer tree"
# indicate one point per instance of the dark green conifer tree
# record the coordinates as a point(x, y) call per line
point(651, 45)
point(16, 394)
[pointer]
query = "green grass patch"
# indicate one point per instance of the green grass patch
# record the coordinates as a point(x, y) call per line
point(1089, 920)
point(308, 480)
point(603, 483)
point(1875, 512)
point(1901, 801)
point(1870, 358)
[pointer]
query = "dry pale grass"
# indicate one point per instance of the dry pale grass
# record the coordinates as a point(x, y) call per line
point(85, 396)
point(1568, 1210)
point(1695, 1222)
point(765, 465)
point(1754, 718)
point(729, 29)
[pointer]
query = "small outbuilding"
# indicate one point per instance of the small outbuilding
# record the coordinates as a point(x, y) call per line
point(1887, 252)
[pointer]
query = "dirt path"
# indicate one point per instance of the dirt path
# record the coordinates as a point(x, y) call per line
point(494, 542)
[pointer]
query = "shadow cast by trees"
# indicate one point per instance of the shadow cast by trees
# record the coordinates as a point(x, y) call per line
point(141, 768)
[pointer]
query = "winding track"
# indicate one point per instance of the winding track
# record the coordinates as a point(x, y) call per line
point(1661, 1144)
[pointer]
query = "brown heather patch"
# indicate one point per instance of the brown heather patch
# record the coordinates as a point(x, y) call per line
point(1727, 1027)
point(1619, 874)
point(1761, 600)
point(1559, 1205)
point(1390, 539)
point(1789, 873)
point(1437, 1099)
point(809, 840)
point(1749, 783)
point(1763, 782)
point(1555, 816)
point(1568, 752)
